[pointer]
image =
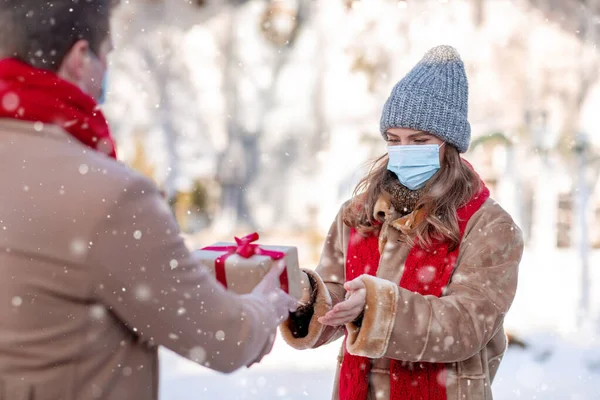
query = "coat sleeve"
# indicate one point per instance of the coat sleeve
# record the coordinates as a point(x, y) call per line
point(145, 275)
point(303, 330)
point(407, 326)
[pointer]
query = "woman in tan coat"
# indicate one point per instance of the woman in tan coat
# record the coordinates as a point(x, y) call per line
point(420, 267)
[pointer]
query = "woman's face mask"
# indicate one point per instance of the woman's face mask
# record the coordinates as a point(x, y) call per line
point(414, 165)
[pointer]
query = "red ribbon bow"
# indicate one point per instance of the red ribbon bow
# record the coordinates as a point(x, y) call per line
point(245, 248)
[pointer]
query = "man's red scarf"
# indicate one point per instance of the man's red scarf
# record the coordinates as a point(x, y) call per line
point(426, 381)
point(37, 95)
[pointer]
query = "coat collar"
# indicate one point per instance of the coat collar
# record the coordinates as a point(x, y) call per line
point(385, 213)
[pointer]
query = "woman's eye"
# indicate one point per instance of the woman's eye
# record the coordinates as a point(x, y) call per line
point(420, 140)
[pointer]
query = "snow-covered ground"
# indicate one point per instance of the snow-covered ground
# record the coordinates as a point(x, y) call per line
point(552, 368)
point(284, 374)
point(559, 363)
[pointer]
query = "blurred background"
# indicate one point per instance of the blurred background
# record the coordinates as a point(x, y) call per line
point(262, 115)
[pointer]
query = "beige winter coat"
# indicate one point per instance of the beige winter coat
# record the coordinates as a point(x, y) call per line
point(463, 328)
point(94, 276)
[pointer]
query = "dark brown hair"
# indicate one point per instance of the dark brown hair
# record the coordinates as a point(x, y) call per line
point(452, 187)
point(41, 32)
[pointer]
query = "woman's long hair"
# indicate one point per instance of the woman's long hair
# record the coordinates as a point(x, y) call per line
point(449, 189)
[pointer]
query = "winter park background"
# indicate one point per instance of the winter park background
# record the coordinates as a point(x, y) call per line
point(261, 115)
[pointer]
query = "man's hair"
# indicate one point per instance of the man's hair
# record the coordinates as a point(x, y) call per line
point(41, 32)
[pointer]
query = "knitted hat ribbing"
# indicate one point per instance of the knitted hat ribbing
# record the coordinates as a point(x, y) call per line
point(433, 97)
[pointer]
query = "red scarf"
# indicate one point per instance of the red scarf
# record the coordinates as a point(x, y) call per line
point(426, 381)
point(38, 95)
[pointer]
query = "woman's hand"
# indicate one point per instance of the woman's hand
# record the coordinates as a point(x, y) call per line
point(348, 310)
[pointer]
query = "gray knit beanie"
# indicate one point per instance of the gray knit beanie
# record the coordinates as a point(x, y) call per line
point(432, 97)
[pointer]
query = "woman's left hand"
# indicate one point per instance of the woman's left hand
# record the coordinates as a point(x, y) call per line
point(349, 309)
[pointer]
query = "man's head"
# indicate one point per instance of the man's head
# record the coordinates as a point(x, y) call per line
point(69, 37)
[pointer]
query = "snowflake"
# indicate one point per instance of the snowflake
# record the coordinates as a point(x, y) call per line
point(10, 101)
point(197, 354)
point(78, 247)
point(142, 292)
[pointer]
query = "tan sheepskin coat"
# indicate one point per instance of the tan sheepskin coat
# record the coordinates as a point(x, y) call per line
point(463, 328)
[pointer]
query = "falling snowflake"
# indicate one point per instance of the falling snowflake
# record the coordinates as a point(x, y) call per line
point(137, 234)
point(10, 101)
point(220, 335)
point(426, 274)
point(97, 311)
point(17, 301)
point(446, 379)
point(142, 292)
point(198, 354)
point(78, 247)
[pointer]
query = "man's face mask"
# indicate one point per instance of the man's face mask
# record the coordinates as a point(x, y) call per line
point(102, 97)
point(98, 78)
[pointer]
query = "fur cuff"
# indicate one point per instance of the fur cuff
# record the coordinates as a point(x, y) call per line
point(372, 338)
point(321, 305)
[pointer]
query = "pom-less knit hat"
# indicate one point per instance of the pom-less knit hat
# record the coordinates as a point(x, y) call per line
point(433, 97)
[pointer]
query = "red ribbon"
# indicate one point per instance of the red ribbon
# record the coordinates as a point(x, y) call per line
point(246, 248)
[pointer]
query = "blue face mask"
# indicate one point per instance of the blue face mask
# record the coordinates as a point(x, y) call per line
point(414, 165)
point(102, 97)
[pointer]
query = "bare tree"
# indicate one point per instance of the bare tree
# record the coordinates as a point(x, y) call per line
point(238, 174)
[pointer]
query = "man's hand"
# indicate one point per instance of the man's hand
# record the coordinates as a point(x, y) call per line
point(280, 302)
point(348, 310)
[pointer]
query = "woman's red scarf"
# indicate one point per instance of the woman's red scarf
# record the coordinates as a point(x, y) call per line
point(427, 381)
point(37, 95)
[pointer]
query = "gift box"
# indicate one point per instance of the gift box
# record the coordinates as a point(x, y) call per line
point(240, 266)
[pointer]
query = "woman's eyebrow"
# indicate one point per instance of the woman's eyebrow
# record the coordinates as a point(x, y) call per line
point(418, 135)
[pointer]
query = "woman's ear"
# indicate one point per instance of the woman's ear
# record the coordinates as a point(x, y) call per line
point(442, 152)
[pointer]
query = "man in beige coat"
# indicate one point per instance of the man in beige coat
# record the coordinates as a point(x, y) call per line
point(94, 275)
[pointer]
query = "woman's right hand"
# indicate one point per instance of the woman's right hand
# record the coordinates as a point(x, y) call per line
point(350, 309)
